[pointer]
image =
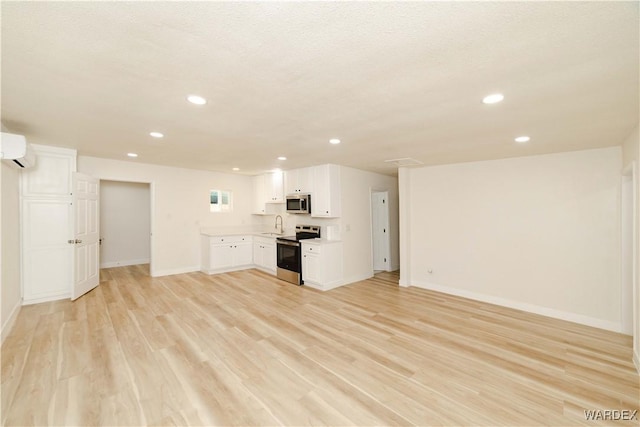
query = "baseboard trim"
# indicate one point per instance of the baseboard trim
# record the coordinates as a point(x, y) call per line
point(124, 263)
point(171, 272)
point(11, 320)
point(531, 308)
point(47, 298)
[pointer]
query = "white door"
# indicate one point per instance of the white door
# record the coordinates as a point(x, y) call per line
point(380, 230)
point(86, 196)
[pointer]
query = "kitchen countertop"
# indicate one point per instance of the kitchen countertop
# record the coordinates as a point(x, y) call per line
point(320, 241)
point(265, 234)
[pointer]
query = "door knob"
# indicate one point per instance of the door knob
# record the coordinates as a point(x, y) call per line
point(78, 241)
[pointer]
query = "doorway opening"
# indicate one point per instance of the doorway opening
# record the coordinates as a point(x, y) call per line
point(628, 303)
point(380, 244)
point(125, 224)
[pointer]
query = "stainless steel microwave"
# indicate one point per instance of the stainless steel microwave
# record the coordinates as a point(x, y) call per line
point(299, 203)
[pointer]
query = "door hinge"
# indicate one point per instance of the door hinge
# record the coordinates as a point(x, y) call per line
point(384, 230)
point(385, 260)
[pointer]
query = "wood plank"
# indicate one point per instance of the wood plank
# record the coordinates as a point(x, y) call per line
point(245, 348)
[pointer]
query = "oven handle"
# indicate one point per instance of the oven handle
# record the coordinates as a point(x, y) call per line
point(280, 242)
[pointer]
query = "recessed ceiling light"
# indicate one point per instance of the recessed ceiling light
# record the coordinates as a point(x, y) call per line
point(282, 158)
point(195, 99)
point(522, 139)
point(334, 141)
point(156, 134)
point(493, 98)
point(236, 169)
point(132, 155)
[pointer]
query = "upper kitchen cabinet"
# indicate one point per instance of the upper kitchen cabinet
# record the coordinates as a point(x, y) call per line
point(299, 181)
point(325, 201)
point(267, 188)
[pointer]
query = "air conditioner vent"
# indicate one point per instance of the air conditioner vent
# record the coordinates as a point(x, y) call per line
point(404, 162)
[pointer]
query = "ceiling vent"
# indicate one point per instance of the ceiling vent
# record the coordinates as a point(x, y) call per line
point(404, 162)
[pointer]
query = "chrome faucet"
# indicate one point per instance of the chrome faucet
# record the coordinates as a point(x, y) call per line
point(281, 227)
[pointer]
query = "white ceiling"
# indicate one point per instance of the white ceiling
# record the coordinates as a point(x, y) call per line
point(389, 79)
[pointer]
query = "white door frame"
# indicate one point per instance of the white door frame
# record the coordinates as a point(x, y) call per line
point(629, 325)
point(152, 193)
point(387, 240)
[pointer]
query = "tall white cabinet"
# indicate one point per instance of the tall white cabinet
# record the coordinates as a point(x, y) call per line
point(47, 225)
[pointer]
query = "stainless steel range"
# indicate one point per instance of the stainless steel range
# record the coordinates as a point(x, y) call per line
point(289, 253)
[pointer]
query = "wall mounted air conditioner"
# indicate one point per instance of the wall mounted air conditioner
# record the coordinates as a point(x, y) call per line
point(16, 151)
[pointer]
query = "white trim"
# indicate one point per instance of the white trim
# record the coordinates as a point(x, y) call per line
point(326, 286)
point(228, 269)
point(531, 308)
point(124, 263)
point(404, 219)
point(47, 298)
point(629, 174)
point(173, 271)
point(11, 320)
point(403, 283)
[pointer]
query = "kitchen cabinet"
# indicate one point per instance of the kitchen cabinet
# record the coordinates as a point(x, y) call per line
point(267, 188)
point(226, 253)
point(264, 254)
point(299, 181)
point(322, 264)
point(47, 225)
point(325, 200)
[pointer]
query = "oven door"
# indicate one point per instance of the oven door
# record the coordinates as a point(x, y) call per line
point(289, 255)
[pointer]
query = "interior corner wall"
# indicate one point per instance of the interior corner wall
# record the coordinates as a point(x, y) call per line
point(356, 232)
point(180, 207)
point(10, 248)
point(538, 233)
point(125, 223)
point(630, 154)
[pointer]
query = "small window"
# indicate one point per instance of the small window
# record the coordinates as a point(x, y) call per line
point(220, 201)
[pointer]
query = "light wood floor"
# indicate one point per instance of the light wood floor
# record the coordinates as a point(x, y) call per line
point(244, 348)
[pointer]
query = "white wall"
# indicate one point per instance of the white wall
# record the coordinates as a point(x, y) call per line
point(10, 248)
point(356, 221)
point(630, 154)
point(180, 207)
point(538, 233)
point(125, 223)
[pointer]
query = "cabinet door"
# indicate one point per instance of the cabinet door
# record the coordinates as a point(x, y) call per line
point(291, 181)
point(326, 196)
point(259, 197)
point(269, 256)
point(242, 254)
point(305, 180)
point(276, 187)
point(220, 256)
point(257, 254)
point(311, 268)
point(47, 261)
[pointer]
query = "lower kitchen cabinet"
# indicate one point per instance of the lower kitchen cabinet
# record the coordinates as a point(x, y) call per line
point(322, 264)
point(226, 253)
point(264, 254)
